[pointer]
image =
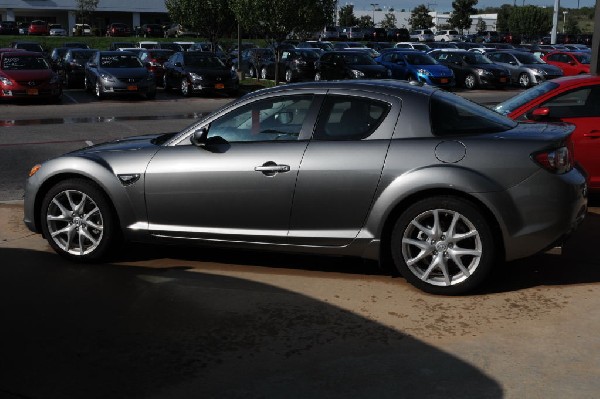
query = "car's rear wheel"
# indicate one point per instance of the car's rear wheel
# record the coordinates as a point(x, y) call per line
point(166, 83)
point(78, 221)
point(470, 81)
point(524, 80)
point(263, 73)
point(86, 84)
point(318, 77)
point(443, 245)
point(289, 77)
point(185, 87)
point(252, 72)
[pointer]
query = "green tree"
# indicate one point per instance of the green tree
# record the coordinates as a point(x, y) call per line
point(572, 25)
point(211, 18)
point(530, 20)
point(461, 16)
point(347, 17)
point(85, 8)
point(503, 17)
point(389, 20)
point(365, 21)
point(420, 18)
point(481, 25)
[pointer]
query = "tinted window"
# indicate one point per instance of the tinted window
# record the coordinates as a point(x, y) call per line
point(202, 61)
point(523, 98)
point(582, 102)
point(24, 63)
point(278, 118)
point(349, 118)
point(358, 59)
point(452, 115)
point(120, 61)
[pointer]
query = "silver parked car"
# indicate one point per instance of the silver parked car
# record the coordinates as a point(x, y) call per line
point(525, 68)
point(376, 169)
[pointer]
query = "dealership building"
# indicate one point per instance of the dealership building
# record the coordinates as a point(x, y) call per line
point(64, 12)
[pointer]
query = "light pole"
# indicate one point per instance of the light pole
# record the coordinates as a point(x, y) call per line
point(564, 20)
point(374, 5)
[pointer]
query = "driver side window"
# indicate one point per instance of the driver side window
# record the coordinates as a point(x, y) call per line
point(279, 118)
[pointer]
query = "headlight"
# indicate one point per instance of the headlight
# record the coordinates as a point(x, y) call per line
point(357, 74)
point(6, 81)
point(482, 71)
point(195, 76)
point(423, 72)
point(107, 77)
point(539, 71)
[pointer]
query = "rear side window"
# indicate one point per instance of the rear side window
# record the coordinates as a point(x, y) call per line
point(452, 115)
point(349, 118)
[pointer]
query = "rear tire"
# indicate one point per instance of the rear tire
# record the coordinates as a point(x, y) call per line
point(443, 245)
point(524, 80)
point(185, 88)
point(470, 81)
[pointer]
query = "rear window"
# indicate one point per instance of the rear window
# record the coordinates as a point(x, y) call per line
point(523, 98)
point(452, 115)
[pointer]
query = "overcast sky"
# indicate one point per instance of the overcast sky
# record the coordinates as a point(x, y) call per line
point(446, 5)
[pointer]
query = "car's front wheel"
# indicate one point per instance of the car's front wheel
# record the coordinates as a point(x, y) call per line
point(443, 245)
point(78, 221)
point(524, 80)
point(185, 87)
point(99, 91)
point(470, 81)
point(263, 73)
point(289, 76)
point(318, 77)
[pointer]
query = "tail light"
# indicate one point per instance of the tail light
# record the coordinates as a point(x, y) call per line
point(558, 160)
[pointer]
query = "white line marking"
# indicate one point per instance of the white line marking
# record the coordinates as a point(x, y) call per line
point(89, 143)
point(70, 98)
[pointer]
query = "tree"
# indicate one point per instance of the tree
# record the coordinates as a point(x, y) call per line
point(481, 25)
point(530, 21)
point(503, 17)
point(365, 21)
point(211, 18)
point(85, 8)
point(347, 17)
point(461, 16)
point(572, 25)
point(389, 21)
point(420, 18)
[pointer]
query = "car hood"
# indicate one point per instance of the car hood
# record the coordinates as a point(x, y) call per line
point(128, 144)
point(125, 72)
point(490, 67)
point(37, 74)
point(550, 69)
point(214, 73)
point(435, 70)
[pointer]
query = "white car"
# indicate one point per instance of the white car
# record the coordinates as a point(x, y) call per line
point(82, 30)
point(413, 45)
point(422, 35)
point(56, 30)
point(147, 44)
point(447, 36)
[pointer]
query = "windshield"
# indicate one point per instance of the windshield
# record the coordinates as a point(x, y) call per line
point(358, 59)
point(477, 58)
point(519, 100)
point(528, 58)
point(24, 63)
point(82, 55)
point(420, 59)
point(421, 47)
point(203, 61)
point(120, 61)
point(308, 54)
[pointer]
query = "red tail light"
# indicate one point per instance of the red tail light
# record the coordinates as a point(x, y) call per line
point(558, 160)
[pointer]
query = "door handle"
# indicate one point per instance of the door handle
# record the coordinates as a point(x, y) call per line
point(271, 168)
point(594, 134)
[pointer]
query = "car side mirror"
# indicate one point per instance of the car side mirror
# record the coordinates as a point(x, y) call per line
point(199, 137)
point(513, 63)
point(540, 114)
point(572, 63)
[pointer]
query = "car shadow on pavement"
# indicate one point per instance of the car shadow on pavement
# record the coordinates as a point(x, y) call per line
point(131, 332)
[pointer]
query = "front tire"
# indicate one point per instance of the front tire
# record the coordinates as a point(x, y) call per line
point(470, 81)
point(443, 245)
point(524, 80)
point(263, 73)
point(78, 221)
point(99, 91)
point(289, 77)
point(185, 88)
point(318, 77)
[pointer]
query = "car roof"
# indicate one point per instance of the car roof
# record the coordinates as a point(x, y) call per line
point(566, 81)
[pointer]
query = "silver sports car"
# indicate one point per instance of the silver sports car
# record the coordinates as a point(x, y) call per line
point(380, 169)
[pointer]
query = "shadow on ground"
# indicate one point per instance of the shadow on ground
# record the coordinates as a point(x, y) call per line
point(80, 331)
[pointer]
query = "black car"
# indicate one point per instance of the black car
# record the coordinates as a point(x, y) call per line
point(294, 65)
point(150, 30)
point(253, 59)
point(398, 35)
point(117, 45)
point(118, 72)
point(349, 64)
point(56, 57)
point(73, 66)
point(27, 46)
point(9, 28)
point(76, 45)
point(375, 34)
point(472, 69)
point(199, 72)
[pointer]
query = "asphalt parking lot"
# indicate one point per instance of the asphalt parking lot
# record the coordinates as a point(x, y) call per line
point(161, 322)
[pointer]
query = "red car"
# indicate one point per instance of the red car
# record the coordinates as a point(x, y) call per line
point(25, 74)
point(154, 60)
point(573, 99)
point(37, 27)
point(571, 63)
point(118, 29)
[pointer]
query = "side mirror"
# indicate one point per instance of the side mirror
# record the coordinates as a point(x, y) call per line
point(513, 62)
point(199, 137)
point(540, 114)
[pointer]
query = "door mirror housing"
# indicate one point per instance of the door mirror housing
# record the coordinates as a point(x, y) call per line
point(540, 114)
point(200, 137)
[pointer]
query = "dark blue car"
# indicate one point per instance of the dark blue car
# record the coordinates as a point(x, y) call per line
point(416, 66)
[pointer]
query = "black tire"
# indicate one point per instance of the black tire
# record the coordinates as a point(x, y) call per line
point(425, 255)
point(252, 72)
point(289, 76)
point(89, 226)
point(470, 81)
point(165, 83)
point(86, 84)
point(99, 92)
point(186, 91)
point(524, 80)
